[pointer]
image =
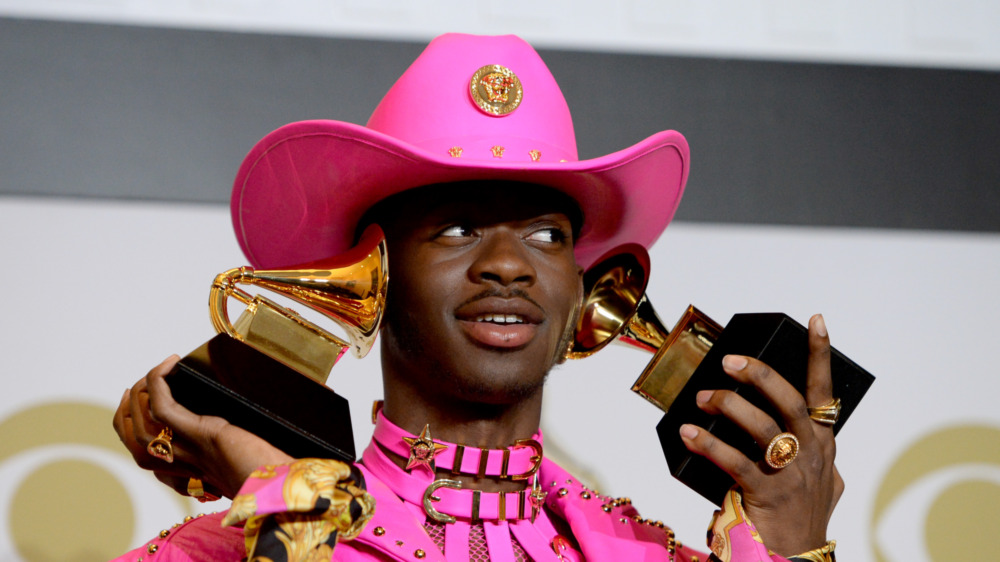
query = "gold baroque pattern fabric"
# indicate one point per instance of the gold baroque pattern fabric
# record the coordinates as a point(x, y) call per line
point(325, 501)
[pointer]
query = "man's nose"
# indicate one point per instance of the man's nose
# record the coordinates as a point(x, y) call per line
point(502, 257)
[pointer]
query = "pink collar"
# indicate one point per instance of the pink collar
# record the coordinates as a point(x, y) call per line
point(445, 501)
point(539, 538)
point(518, 462)
point(607, 529)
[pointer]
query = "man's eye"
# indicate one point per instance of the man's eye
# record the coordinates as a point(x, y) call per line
point(456, 231)
point(547, 235)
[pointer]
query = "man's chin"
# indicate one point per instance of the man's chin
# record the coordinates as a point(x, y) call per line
point(497, 388)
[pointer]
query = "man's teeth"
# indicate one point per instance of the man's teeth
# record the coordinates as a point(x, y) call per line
point(501, 318)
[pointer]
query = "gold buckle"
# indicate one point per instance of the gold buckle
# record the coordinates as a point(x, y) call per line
point(428, 499)
point(536, 458)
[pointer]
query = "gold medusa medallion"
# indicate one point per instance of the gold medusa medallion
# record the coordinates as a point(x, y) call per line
point(782, 450)
point(496, 90)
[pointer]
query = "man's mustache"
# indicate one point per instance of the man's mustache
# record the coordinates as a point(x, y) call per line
point(512, 293)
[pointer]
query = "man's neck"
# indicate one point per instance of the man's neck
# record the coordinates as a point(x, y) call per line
point(487, 426)
point(483, 425)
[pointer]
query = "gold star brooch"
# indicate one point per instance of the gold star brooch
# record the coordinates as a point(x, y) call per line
point(423, 449)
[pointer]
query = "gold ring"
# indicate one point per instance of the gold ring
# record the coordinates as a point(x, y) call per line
point(160, 446)
point(827, 414)
point(196, 489)
point(782, 450)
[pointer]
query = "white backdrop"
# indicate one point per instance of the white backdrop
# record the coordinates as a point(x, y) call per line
point(96, 293)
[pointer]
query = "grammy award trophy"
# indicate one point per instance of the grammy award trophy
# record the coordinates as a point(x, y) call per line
point(688, 359)
point(267, 371)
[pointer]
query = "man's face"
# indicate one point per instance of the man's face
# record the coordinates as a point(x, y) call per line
point(483, 289)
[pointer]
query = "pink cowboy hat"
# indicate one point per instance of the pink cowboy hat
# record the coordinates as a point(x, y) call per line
point(469, 108)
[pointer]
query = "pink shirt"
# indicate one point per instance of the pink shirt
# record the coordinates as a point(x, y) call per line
point(604, 529)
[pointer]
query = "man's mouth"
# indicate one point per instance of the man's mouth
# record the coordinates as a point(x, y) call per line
point(501, 318)
point(499, 322)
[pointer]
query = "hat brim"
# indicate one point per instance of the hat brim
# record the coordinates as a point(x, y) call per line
point(302, 189)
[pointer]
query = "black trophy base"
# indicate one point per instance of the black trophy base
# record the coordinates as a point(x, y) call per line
point(296, 414)
point(778, 341)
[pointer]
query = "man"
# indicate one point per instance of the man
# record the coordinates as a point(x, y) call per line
point(469, 164)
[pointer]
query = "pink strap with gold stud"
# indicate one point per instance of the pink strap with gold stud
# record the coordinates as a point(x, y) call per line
point(445, 500)
point(518, 462)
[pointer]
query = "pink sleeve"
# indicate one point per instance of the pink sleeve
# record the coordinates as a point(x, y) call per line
point(198, 539)
point(733, 537)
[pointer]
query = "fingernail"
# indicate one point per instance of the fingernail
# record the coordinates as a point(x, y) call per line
point(734, 362)
point(703, 396)
point(820, 326)
point(689, 431)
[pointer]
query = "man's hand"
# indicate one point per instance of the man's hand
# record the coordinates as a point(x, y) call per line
point(790, 507)
point(205, 447)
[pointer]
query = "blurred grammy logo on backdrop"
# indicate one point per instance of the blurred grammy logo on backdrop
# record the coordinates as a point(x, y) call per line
point(942, 491)
point(69, 489)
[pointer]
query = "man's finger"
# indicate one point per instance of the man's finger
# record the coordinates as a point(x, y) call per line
point(165, 409)
point(791, 405)
point(744, 471)
point(750, 418)
point(158, 372)
point(819, 384)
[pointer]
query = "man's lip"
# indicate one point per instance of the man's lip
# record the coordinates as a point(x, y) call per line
point(528, 315)
point(499, 336)
point(526, 311)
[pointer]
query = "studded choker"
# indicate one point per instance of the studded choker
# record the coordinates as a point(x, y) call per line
point(445, 501)
point(518, 462)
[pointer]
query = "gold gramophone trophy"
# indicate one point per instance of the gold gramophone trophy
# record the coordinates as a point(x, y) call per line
point(688, 359)
point(267, 371)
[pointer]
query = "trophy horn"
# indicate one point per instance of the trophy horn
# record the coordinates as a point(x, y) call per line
point(615, 306)
point(349, 289)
